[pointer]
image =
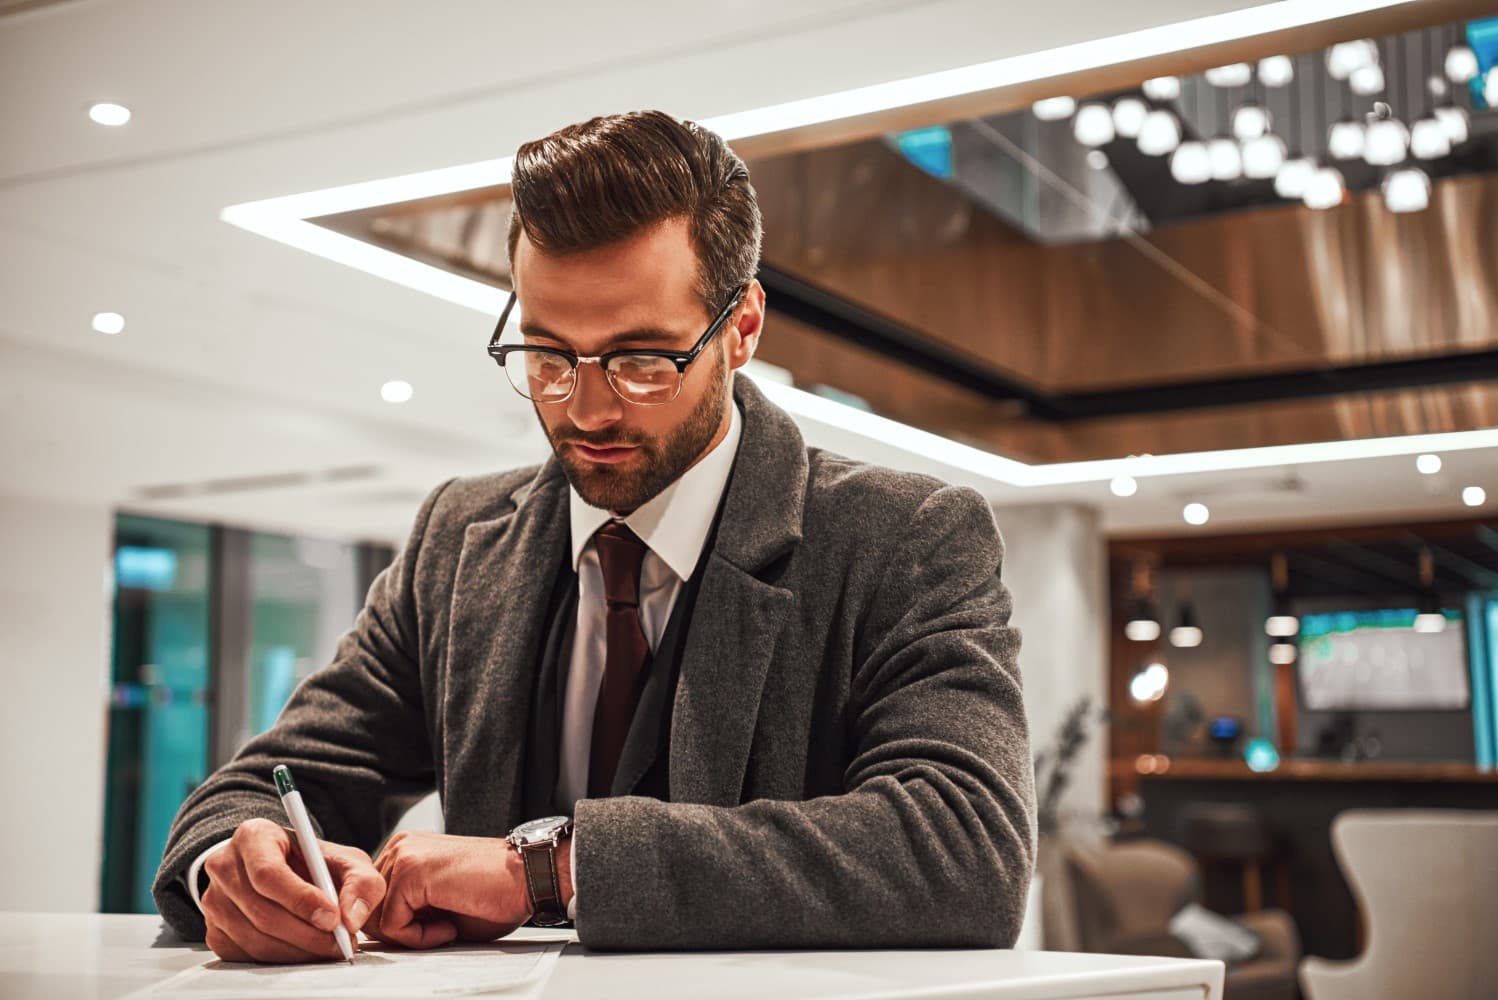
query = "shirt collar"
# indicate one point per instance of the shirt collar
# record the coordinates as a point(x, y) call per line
point(675, 522)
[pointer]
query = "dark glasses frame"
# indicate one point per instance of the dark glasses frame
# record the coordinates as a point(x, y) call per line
point(499, 352)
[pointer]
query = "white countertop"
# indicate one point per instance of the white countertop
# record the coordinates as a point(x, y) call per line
point(103, 957)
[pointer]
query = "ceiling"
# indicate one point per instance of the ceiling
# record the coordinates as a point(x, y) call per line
point(245, 386)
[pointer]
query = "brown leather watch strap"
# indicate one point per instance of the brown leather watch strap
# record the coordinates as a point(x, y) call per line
point(543, 882)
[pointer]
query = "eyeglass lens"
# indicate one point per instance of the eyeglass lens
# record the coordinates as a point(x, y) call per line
point(548, 377)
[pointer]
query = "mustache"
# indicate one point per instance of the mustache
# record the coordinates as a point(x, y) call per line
point(594, 440)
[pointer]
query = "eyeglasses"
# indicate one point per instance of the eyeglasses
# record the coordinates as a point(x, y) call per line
point(643, 377)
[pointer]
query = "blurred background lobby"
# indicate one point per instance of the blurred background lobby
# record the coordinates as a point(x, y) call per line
point(1201, 294)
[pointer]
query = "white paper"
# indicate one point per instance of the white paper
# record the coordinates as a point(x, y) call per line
point(515, 967)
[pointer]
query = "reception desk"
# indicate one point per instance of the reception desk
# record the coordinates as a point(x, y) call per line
point(105, 957)
point(1299, 800)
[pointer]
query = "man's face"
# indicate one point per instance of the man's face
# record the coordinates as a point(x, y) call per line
point(638, 293)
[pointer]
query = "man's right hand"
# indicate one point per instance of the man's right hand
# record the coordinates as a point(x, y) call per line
point(261, 904)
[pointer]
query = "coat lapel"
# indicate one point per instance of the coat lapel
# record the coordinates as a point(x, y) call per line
point(740, 610)
point(503, 583)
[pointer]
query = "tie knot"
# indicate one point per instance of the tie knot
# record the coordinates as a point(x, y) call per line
point(621, 552)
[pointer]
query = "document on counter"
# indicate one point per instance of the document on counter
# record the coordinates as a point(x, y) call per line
point(515, 968)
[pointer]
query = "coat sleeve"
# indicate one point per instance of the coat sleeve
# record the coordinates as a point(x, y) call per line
point(932, 841)
point(354, 734)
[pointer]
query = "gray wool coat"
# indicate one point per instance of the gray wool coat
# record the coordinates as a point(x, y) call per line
point(848, 759)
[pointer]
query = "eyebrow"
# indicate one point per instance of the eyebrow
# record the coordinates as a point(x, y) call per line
point(645, 335)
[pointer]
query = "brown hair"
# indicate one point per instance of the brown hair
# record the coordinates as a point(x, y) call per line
point(588, 185)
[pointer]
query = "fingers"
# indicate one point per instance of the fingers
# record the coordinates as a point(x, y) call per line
point(402, 916)
point(360, 885)
point(236, 936)
point(262, 849)
point(259, 908)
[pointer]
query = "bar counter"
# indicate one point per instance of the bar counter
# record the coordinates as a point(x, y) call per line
point(1299, 800)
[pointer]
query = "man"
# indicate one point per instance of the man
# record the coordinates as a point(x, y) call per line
point(756, 695)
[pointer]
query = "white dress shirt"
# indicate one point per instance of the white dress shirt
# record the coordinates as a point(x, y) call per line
point(674, 525)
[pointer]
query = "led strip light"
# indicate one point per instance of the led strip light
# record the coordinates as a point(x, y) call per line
point(285, 219)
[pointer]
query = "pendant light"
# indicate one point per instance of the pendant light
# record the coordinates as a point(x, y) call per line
point(1190, 164)
point(1263, 157)
point(1325, 189)
point(1346, 139)
point(1160, 133)
point(1429, 618)
point(1346, 58)
point(1251, 120)
point(1388, 138)
point(1295, 172)
point(1281, 625)
point(1407, 190)
point(1231, 75)
point(1187, 634)
point(1276, 71)
point(1128, 116)
point(1294, 177)
point(1429, 139)
point(1454, 119)
point(1162, 88)
point(1452, 115)
point(1144, 623)
point(1054, 109)
point(1093, 125)
point(1223, 154)
point(1461, 64)
point(1387, 142)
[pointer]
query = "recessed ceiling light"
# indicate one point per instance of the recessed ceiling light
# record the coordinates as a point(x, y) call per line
point(396, 391)
point(110, 323)
point(1195, 513)
point(1124, 486)
point(1428, 464)
point(112, 115)
point(1474, 496)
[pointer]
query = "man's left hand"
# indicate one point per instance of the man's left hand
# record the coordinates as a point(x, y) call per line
point(441, 888)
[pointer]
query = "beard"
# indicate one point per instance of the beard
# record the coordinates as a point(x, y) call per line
point(656, 463)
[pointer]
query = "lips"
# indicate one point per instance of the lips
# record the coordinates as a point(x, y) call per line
point(604, 455)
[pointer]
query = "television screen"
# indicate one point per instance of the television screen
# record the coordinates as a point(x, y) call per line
point(1375, 660)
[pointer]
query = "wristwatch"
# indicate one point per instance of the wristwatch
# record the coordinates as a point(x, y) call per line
point(537, 842)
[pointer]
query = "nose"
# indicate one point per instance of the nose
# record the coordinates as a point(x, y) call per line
point(593, 404)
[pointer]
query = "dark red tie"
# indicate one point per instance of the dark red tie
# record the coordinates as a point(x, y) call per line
point(620, 553)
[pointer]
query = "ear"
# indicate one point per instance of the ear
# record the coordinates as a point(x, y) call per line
point(741, 334)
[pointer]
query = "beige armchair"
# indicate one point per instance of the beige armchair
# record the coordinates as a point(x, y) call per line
point(1427, 885)
point(1126, 894)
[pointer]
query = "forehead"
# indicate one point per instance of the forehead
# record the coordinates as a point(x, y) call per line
point(648, 279)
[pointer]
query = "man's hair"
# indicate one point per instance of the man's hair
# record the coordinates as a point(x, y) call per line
point(606, 179)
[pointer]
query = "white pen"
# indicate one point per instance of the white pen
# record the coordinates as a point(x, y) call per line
point(296, 811)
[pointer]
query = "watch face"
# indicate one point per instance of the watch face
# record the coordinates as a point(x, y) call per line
point(539, 829)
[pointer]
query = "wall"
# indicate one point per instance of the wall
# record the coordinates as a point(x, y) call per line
point(1228, 673)
point(1055, 565)
point(54, 629)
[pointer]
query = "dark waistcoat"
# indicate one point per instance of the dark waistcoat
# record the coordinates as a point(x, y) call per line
point(643, 763)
